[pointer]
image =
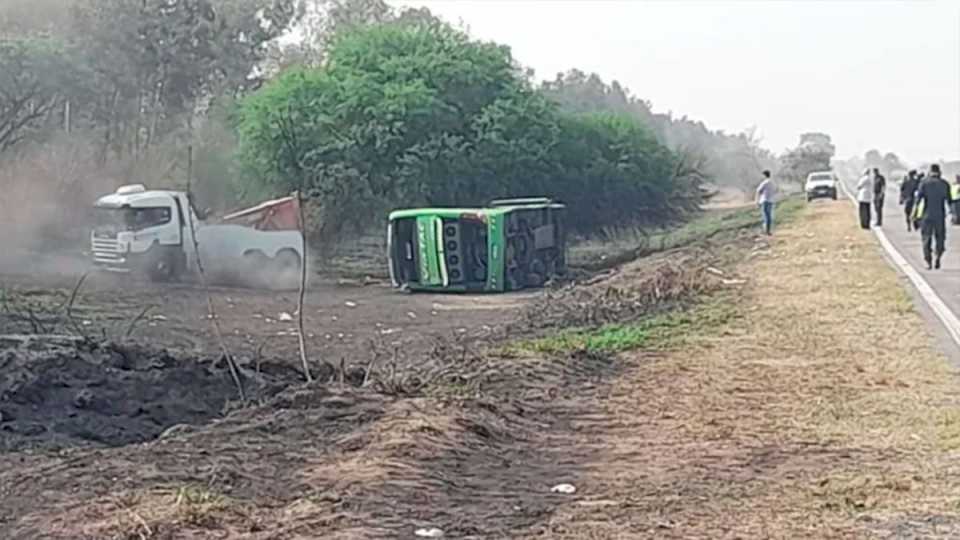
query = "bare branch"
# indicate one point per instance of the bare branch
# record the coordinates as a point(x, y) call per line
point(301, 340)
point(211, 309)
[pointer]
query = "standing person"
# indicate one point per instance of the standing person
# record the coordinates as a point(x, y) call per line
point(934, 194)
point(865, 198)
point(879, 192)
point(765, 197)
point(918, 204)
point(908, 196)
point(955, 197)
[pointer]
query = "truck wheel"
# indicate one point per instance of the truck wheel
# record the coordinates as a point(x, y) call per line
point(254, 265)
point(161, 265)
point(288, 261)
point(287, 267)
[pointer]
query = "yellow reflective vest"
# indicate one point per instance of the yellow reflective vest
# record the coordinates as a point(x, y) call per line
point(918, 210)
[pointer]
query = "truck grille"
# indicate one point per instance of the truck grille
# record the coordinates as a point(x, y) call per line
point(106, 251)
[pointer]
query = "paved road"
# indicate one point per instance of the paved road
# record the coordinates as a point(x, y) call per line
point(946, 281)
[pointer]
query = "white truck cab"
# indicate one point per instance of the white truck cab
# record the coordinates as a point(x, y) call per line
point(141, 230)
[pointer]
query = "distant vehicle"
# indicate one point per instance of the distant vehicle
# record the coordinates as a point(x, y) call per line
point(510, 245)
point(821, 184)
point(151, 232)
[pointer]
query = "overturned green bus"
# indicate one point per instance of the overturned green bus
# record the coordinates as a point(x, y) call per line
point(510, 245)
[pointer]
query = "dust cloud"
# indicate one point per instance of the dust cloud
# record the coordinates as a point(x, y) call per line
point(45, 208)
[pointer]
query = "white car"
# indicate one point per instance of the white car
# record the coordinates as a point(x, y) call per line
point(821, 184)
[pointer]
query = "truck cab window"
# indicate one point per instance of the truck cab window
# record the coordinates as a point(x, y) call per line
point(114, 220)
point(142, 218)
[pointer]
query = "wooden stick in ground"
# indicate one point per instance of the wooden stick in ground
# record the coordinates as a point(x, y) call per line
point(301, 340)
point(135, 320)
point(69, 308)
point(211, 310)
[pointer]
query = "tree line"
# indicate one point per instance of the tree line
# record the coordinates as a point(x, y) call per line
point(360, 106)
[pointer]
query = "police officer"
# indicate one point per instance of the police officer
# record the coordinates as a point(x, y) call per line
point(879, 192)
point(934, 194)
point(955, 197)
point(908, 196)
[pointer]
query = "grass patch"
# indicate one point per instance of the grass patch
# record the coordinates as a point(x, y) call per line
point(618, 246)
point(664, 331)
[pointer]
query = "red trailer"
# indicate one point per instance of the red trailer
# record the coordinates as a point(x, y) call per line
point(276, 215)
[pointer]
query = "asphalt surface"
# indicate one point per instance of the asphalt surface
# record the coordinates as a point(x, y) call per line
point(943, 281)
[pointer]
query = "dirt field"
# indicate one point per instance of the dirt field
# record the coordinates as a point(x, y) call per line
point(130, 441)
point(333, 460)
point(341, 320)
point(785, 403)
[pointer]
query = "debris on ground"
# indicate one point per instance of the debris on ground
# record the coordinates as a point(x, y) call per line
point(60, 391)
point(618, 300)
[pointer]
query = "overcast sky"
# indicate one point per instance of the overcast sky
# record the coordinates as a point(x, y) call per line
point(872, 74)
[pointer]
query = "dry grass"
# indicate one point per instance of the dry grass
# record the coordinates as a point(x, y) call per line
point(821, 411)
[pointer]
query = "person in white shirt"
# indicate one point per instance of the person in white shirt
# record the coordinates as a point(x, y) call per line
point(765, 198)
point(865, 198)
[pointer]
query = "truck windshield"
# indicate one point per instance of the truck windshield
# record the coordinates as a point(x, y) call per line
point(114, 220)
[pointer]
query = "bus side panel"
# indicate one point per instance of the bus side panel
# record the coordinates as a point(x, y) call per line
point(496, 252)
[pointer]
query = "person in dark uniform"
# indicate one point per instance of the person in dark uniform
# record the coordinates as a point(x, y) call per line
point(918, 206)
point(934, 194)
point(908, 196)
point(879, 191)
point(955, 197)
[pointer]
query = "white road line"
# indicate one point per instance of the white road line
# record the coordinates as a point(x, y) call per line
point(947, 317)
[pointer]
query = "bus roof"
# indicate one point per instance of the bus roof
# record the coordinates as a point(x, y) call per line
point(456, 212)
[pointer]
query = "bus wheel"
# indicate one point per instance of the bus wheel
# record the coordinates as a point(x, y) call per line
point(536, 277)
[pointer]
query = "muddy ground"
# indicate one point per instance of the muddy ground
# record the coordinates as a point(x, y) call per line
point(342, 321)
point(57, 392)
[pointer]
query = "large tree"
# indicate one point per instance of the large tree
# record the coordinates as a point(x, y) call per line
point(153, 65)
point(814, 153)
point(412, 112)
point(34, 74)
point(734, 160)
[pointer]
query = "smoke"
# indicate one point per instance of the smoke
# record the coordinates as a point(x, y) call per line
point(47, 192)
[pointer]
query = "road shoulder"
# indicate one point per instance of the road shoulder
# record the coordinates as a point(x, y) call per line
point(823, 409)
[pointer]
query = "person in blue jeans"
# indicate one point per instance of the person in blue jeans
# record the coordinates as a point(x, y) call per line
point(765, 199)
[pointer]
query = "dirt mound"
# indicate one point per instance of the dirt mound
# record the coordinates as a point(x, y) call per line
point(56, 391)
point(615, 298)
